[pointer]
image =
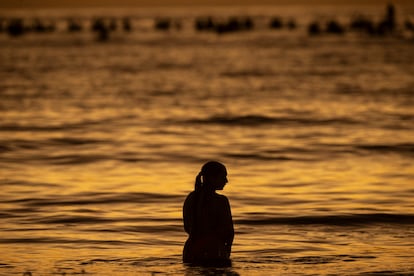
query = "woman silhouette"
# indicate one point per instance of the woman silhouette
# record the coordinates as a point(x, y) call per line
point(208, 220)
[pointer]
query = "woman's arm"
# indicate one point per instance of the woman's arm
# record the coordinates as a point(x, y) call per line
point(228, 229)
point(188, 213)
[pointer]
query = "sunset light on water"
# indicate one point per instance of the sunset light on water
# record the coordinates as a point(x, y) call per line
point(103, 134)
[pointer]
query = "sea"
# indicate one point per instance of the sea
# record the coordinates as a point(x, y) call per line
point(102, 135)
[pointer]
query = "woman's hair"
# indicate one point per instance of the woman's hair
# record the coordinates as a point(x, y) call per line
point(202, 190)
point(208, 169)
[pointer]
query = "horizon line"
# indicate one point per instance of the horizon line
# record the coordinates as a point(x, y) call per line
point(64, 4)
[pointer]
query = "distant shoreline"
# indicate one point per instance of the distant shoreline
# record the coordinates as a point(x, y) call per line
point(66, 4)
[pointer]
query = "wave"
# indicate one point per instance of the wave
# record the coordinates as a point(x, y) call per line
point(45, 128)
point(322, 151)
point(12, 144)
point(254, 120)
point(56, 240)
point(355, 90)
point(397, 148)
point(404, 148)
point(247, 73)
point(63, 126)
point(280, 156)
point(321, 259)
point(65, 159)
point(97, 198)
point(307, 153)
point(335, 220)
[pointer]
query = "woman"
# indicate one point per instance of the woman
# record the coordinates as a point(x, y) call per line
point(208, 220)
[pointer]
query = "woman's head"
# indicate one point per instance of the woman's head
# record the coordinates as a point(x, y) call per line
point(214, 175)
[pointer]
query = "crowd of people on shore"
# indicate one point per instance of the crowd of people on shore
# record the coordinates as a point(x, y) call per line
point(104, 26)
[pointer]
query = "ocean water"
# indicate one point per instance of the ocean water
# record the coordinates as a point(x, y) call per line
point(100, 143)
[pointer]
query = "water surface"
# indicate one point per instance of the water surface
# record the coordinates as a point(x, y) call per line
point(101, 142)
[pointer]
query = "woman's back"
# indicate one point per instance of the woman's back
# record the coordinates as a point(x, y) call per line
point(210, 228)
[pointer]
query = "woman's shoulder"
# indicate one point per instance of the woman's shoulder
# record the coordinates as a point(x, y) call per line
point(221, 198)
point(190, 196)
point(215, 197)
point(189, 201)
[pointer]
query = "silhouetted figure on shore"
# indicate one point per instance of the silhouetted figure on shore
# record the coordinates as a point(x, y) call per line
point(291, 24)
point(333, 27)
point(386, 26)
point(16, 27)
point(314, 28)
point(276, 23)
point(74, 25)
point(100, 27)
point(207, 219)
point(390, 18)
point(126, 24)
point(409, 25)
point(162, 24)
point(204, 24)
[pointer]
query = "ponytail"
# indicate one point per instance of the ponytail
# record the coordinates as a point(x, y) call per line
point(198, 203)
point(198, 185)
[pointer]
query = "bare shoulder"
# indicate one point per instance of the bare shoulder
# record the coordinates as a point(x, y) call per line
point(191, 194)
point(222, 199)
point(190, 197)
